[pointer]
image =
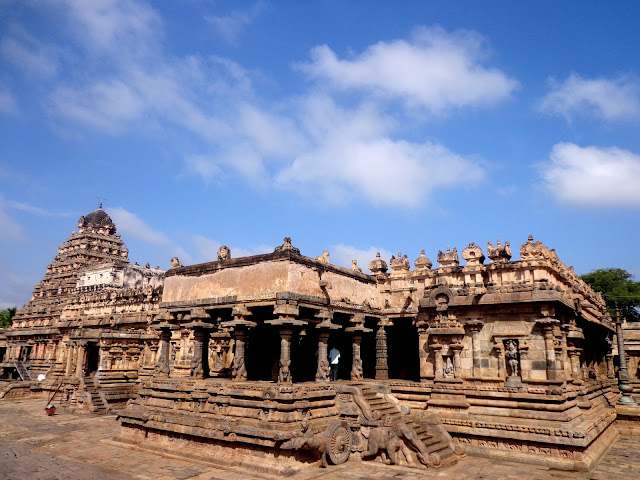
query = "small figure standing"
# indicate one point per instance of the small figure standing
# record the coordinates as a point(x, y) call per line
point(334, 359)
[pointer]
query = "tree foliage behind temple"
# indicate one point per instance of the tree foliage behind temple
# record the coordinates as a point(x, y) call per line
point(6, 316)
point(619, 289)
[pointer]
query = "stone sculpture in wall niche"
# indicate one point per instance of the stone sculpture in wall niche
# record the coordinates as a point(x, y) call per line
point(513, 361)
point(442, 302)
point(224, 253)
point(449, 370)
point(284, 375)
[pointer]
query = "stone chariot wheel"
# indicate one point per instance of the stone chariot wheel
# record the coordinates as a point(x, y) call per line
point(338, 438)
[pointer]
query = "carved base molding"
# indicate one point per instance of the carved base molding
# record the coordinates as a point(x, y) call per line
point(253, 458)
point(565, 457)
point(628, 420)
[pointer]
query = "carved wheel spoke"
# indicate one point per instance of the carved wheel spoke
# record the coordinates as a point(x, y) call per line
point(338, 438)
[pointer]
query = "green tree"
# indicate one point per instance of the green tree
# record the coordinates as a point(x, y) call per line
point(6, 316)
point(619, 289)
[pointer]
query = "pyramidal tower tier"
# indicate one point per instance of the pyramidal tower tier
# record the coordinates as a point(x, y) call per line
point(96, 242)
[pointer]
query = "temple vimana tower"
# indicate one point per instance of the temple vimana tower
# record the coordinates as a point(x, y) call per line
point(281, 362)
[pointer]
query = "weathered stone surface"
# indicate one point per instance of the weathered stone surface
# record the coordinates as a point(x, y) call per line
point(271, 361)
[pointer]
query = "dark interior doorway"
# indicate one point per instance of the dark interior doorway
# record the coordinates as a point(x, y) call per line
point(304, 355)
point(93, 357)
point(402, 345)
point(262, 353)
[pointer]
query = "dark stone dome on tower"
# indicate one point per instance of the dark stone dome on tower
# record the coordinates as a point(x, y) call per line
point(98, 219)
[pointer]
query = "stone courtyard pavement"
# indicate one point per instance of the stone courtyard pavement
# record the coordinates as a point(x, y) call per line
point(79, 447)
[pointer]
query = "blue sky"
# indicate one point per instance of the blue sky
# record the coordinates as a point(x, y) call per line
point(353, 127)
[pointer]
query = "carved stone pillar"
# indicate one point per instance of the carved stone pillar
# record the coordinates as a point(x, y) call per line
point(239, 326)
point(457, 366)
point(565, 353)
point(356, 360)
point(322, 372)
point(199, 367)
point(162, 367)
point(502, 370)
point(104, 355)
point(623, 374)
point(550, 350)
point(80, 359)
point(426, 366)
point(239, 372)
point(324, 329)
point(382, 367)
point(284, 375)
point(286, 324)
point(549, 347)
point(574, 358)
point(197, 370)
point(69, 366)
point(439, 373)
point(475, 349)
point(200, 324)
point(610, 370)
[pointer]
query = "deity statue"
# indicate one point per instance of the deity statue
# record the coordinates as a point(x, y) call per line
point(511, 353)
point(448, 367)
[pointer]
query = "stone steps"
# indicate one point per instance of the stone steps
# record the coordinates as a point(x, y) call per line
point(98, 405)
point(433, 440)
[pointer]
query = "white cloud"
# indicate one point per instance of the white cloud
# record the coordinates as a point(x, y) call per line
point(25, 207)
point(610, 99)
point(271, 133)
point(343, 254)
point(125, 27)
point(593, 176)
point(106, 105)
point(28, 54)
point(311, 144)
point(129, 224)
point(435, 70)
point(354, 155)
point(231, 26)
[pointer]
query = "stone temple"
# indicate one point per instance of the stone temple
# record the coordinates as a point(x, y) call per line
point(281, 362)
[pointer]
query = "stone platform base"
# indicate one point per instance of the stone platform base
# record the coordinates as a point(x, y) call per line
point(285, 463)
point(18, 390)
point(628, 419)
point(562, 457)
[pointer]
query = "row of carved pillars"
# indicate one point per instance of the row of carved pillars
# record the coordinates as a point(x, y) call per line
point(287, 325)
point(18, 353)
point(76, 351)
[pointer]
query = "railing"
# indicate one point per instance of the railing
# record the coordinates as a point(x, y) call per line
point(22, 371)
